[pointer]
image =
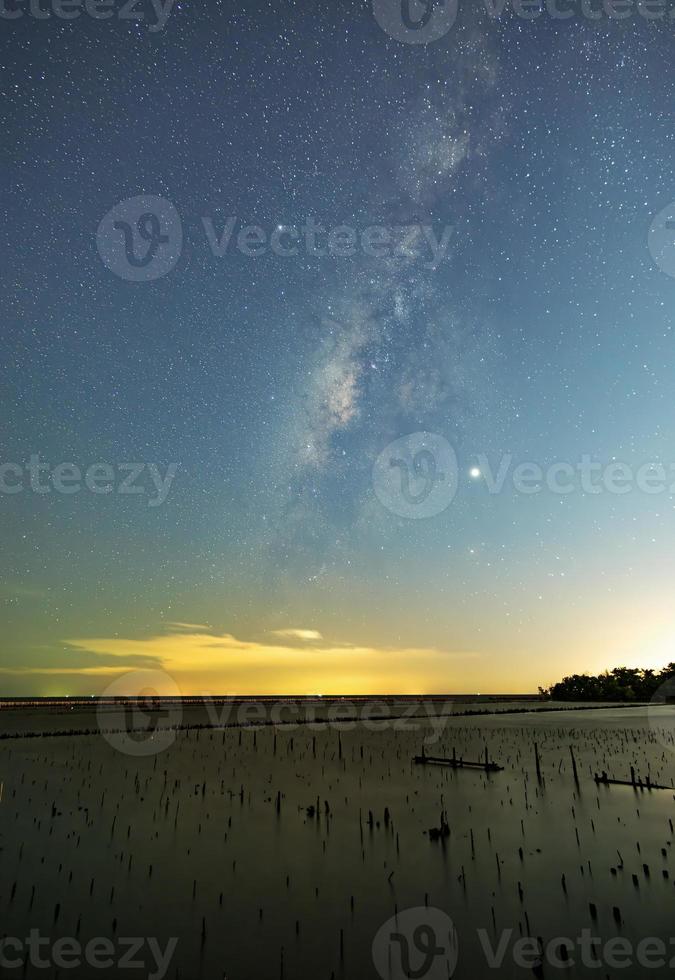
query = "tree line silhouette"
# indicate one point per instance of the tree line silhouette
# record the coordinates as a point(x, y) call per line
point(620, 684)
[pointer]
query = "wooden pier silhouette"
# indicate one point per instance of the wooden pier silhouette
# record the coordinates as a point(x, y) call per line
point(604, 780)
point(454, 763)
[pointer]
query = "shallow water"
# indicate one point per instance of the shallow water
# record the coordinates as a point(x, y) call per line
point(164, 836)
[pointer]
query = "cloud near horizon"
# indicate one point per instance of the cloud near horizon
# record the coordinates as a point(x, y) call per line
point(297, 634)
point(201, 663)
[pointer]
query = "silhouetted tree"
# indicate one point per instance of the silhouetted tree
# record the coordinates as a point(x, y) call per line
point(620, 684)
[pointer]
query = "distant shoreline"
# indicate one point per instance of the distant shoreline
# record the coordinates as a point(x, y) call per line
point(319, 722)
point(84, 701)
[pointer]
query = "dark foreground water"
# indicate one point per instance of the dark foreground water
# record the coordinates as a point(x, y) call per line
point(298, 851)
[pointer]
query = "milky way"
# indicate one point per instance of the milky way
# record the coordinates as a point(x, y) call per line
point(514, 167)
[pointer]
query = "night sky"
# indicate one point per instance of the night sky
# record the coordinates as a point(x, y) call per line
point(270, 384)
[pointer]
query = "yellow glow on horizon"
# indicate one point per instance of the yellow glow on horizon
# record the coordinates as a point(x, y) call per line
point(201, 663)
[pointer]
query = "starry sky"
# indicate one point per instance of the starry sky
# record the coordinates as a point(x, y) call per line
point(271, 384)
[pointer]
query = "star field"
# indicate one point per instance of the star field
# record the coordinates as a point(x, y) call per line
point(273, 383)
